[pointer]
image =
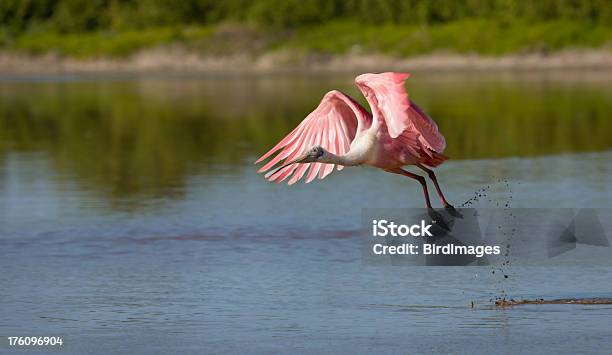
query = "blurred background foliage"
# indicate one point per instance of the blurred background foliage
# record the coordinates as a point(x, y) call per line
point(119, 27)
point(90, 15)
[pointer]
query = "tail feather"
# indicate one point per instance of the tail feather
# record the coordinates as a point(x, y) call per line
point(434, 159)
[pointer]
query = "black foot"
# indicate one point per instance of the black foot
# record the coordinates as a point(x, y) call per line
point(452, 211)
point(437, 219)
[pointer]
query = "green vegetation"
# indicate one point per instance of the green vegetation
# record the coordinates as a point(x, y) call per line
point(485, 36)
point(99, 43)
point(85, 28)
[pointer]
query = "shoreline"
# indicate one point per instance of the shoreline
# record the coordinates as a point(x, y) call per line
point(177, 60)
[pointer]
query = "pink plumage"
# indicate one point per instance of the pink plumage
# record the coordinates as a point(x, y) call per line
point(340, 132)
point(398, 111)
point(332, 125)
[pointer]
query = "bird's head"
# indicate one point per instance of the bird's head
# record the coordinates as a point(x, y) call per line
point(312, 155)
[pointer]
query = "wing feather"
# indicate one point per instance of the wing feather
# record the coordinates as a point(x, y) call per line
point(314, 167)
point(340, 141)
point(291, 151)
point(332, 125)
point(332, 143)
point(398, 111)
point(314, 170)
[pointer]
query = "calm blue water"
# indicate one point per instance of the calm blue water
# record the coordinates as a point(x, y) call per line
point(222, 262)
point(220, 271)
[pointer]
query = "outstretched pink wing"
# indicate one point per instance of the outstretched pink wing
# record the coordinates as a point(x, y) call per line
point(398, 111)
point(332, 125)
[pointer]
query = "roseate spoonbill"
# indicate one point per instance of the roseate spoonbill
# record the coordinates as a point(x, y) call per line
point(341, 132)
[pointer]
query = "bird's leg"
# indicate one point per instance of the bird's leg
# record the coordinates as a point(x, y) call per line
point(433, 178)
point(435, 216)
point(418, 178)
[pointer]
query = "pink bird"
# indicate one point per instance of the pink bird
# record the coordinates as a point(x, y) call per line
point(340, 132)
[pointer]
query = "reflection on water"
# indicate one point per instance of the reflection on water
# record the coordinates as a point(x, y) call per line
point(132, 219)
point(141, 137)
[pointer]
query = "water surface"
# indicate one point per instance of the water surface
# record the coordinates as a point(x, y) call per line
point(132, 219)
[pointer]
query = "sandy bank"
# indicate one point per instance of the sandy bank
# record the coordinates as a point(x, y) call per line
point(178, 60)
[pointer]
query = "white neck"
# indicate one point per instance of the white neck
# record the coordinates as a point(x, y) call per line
point(344, 160)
